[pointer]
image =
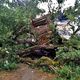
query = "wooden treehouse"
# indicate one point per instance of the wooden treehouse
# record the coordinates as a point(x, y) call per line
point(40, 28)
point(41, 34)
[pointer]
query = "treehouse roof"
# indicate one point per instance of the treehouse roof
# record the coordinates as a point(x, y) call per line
point(40, 21)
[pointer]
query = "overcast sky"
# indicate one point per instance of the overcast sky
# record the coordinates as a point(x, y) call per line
point(44, 6)
point(66, 4)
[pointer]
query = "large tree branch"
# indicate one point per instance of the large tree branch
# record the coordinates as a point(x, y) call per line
point(76, 31)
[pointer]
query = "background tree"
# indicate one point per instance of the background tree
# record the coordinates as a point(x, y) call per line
point(13, 16)
point(73, 14)
point(60, 2)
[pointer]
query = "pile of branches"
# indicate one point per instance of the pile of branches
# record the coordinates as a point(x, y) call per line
point(43, 61)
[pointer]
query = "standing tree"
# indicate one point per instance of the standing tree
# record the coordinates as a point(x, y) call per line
point(60, 4)
point(73, 13)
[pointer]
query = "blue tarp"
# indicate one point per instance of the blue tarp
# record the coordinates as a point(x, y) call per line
point(62, 17)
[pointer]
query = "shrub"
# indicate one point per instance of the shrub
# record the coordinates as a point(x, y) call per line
point(68, 72)
point(8, 58)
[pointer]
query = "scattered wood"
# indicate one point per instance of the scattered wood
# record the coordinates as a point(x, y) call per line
point(43, 61)
point(28, 41)
point(34, 47)
point(27, 61)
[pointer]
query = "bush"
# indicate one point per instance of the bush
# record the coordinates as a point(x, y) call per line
point(7, 65)
point(69, 57)
point(68, 72)
point(8, 58)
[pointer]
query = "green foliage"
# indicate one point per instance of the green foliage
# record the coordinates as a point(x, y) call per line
point(68, 72)
point(69, 56)
point(8, 65)
point(71, 17)
point(70, 46)
point(52, 26)
point(8, 58)
point(73, 42)
point(11, 19)
point(70, 13)
point(55, 36)
point(46, 69)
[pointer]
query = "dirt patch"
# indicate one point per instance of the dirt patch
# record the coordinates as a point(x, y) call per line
point(25, 73)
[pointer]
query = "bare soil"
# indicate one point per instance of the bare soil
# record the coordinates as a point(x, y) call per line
point(24, 72)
